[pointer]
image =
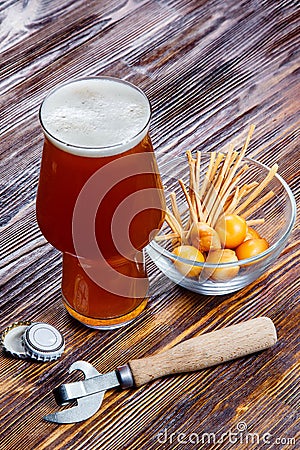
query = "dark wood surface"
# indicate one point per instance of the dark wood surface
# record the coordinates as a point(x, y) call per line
point(210, 69)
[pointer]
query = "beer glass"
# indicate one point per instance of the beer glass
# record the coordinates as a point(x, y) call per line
point(100, 199)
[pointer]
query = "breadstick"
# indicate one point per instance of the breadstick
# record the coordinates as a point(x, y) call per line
point(199, 208)
point(193, 213)
point(197, 172)
point(257, 205)
point(192, 176)
point(220, 193)
point(252, 222)
point(175, 208)
point(172, 222)
point(219, 206)
point(194, 166)
point(207, 175)
point(212, 199)
point(232, 159)
point(232, 205)
point(165, 237)
point(246, 188)
point(258, 190)
point(239, 159)
point(219, 159)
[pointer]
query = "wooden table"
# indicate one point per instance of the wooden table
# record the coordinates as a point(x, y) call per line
point(210, 68)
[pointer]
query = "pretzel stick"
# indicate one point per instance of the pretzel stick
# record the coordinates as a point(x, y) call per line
point(217, 208)
point(175, 227)
point(197, 171)
point(193, 214)
point(252, 222)
point(249, 136)
point(214, 175)
point(257, 205)
point(212, 197)
point(232, 205)
point(193, 191)
point(258, 190)
point(232, 159)
point(229, 200)
point(218, 194)
point(229, 206)
point(227, 162)
point(216, 198)
point(165, 237)
point(207, 175)
point(192, 176)
point(172, 222)
point(234, 182)
point(200, 213)
point(246, 188)
point(240, 173)
point(197, 185)
point(238, 160)
point(219, 159)
point(175, 208)
point(193, 188)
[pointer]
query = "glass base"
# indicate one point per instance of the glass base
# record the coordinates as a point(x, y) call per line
point(108, 323)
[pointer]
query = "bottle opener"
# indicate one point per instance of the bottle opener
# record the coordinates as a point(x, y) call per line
point(194, 354)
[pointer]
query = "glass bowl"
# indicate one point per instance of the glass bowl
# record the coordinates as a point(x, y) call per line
point(279, 214)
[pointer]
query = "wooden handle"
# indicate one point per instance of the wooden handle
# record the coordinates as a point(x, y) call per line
point(207, 350)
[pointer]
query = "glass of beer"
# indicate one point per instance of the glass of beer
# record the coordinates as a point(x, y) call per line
point(100, 200)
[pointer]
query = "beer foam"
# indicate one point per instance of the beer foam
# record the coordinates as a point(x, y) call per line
point(95, 116)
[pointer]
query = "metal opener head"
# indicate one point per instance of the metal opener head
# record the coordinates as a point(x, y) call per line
point(86, 406)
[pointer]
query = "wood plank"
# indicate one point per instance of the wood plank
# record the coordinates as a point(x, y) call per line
point(210, 69)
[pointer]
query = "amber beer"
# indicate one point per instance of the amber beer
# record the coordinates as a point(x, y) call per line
point(100, 198)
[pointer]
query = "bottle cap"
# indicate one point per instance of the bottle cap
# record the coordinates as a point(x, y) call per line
point(43, 342)
point(38, 341)
point(11, 339)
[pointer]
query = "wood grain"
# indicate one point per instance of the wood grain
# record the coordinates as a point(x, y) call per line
point(206, 350)
point(210, 68)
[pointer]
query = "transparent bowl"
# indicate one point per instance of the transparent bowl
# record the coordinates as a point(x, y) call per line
point(279, 215)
